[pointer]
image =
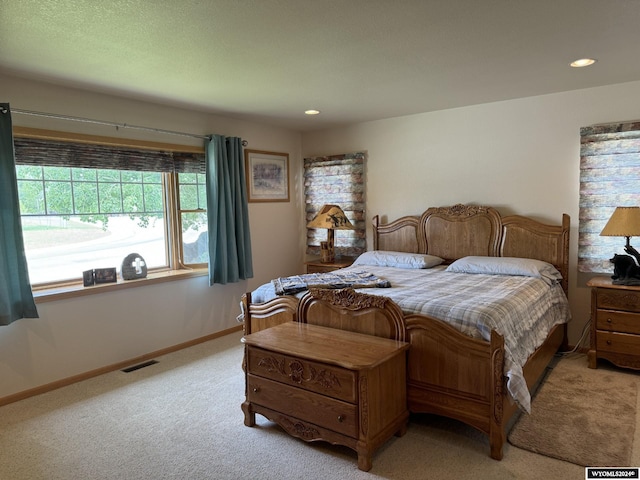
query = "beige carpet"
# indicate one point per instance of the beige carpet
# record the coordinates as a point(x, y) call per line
point(180, 419)
point(581, 415)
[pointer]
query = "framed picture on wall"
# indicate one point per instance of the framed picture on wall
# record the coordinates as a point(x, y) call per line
point(267, 176)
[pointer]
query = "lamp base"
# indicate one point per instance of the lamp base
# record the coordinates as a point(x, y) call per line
point(327, 255)
point(625, 269)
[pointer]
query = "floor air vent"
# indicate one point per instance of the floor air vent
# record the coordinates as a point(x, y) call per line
point(139, 366)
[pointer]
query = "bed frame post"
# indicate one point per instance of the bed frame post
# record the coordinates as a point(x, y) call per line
point(375, 221)
point(497, 433)
point(245, 303)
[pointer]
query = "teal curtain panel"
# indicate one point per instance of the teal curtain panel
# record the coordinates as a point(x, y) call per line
point(227, 210)
point(16, 298)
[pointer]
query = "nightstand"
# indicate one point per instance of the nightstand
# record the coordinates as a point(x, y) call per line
point(321, 383)
point(316, 266)
point(615, 323)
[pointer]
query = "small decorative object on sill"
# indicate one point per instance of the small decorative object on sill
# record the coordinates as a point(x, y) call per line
point(105, 275)
point(88, 278)
point(133, 266)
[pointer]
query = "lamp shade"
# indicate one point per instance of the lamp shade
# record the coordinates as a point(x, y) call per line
point(331, 217)
point(625, 222)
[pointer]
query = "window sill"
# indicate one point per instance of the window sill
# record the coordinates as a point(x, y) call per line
point(52, 294)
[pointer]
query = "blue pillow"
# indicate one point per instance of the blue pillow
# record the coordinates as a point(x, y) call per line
point(527, 267)
point(384, 258)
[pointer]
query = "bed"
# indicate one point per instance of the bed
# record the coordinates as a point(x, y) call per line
point(453, 371)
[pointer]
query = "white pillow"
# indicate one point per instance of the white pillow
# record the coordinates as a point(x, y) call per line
point(383, 258)
point(527, 267)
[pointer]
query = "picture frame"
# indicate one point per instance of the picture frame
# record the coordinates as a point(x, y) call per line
point(88, 278)
point(267, 176)
point(105, 275)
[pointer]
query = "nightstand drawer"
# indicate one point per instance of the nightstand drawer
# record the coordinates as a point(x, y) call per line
point(618, 343)
point(610, 299)
point(617, 321)
point(316, 377)
point(319, 409)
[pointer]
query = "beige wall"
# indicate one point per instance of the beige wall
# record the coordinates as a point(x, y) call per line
point(521, 156)
point(77, 335)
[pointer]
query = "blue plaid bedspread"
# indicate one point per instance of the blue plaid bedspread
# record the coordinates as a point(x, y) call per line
point(521, 309)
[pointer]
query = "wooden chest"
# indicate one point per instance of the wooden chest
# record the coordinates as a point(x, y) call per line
point(321, 383)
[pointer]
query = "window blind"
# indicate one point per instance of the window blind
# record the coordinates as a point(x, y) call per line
point(339, 180)
point(29, 151)
point(609, 178)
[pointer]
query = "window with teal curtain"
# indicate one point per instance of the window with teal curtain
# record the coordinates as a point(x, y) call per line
point(16, 298)
point(228, 212)
point(609, 178)
point(337, 180)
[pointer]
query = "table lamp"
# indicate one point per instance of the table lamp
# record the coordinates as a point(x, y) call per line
point(332, 218)
point(625, 222)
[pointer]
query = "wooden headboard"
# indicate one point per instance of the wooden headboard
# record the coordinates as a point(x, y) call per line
point(462, 230)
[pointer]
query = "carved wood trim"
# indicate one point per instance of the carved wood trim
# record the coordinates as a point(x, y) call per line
point(380, 314)
point(461, 210)
point(299, 428)
point(272, 364)
point(323, 377)
point(364, 405)
point(498, 379)
point(348, 298)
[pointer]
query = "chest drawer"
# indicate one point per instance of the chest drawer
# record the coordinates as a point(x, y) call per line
point(610, 299)
point(319, 409)
point(315, 377)
point(622, 343)
point(618, 321)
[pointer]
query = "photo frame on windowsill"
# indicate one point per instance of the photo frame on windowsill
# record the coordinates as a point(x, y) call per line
point(267, 176)
point(88, 278)
point(105, 275)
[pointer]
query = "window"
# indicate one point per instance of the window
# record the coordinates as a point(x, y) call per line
point(339, 180)
point(89, 205)
point(609, 178)
point(192, 210)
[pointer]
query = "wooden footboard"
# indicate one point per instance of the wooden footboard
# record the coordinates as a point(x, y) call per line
point(456, 376)
point(449, 373)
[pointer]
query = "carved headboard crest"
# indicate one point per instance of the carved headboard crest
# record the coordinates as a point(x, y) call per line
point(461, 210)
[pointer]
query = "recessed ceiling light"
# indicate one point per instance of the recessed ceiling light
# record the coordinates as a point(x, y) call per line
point(583, 62)
point(311, 112)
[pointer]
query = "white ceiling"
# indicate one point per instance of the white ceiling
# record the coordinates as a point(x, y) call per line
point(355, 60)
